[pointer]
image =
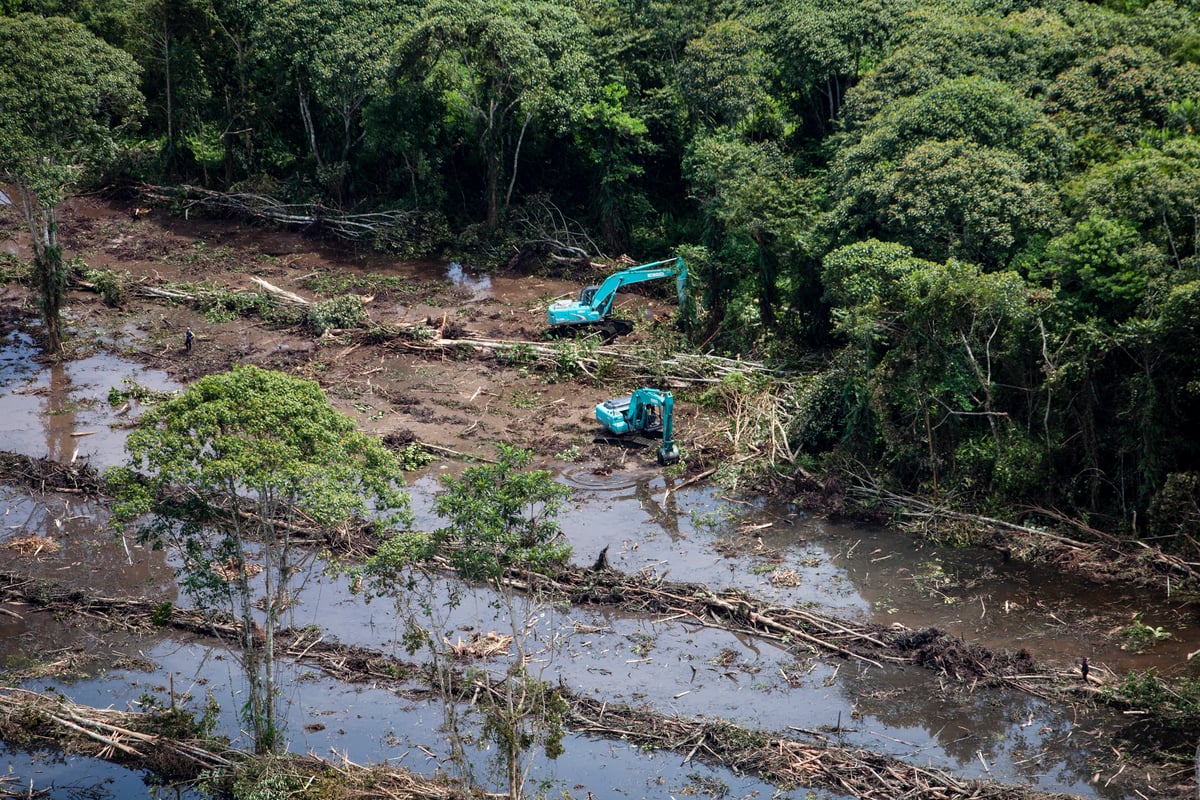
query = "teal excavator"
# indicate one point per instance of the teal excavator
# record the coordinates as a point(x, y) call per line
point(647, 411)
point(593, 309)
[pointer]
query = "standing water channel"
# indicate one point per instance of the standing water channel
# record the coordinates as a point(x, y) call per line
point(676, 666)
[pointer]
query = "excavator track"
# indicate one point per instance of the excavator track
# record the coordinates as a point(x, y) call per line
point(609, 329)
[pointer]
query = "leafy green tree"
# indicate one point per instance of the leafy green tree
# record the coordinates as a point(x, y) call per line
point(722, 75)
point(501, 518)
point(1113, 98)
point(821, 49)
point(335, 53)
point(1155, 189)
point(943, 377)
point(614, 138)
point(224, 475)
point(499, 71)
point(1022, 50)
point(1101, 267)
point(64, 95)
point(167, 39)
point(975, 109)
point(949, 199)
point(752, 196)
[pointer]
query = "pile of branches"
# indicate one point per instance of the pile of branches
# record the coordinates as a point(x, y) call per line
point(1097, 554)
point(43, 474)
point(156, 741)
point(676, 369)
point(137, 614)
point(802, 629)
point(391, 230)
point(785, 761)
point(143, 740)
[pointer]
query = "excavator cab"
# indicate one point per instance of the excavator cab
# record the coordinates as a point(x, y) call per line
point(646, 411)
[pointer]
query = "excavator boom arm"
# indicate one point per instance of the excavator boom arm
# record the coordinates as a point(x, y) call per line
point(595, 302)
point(602, 298)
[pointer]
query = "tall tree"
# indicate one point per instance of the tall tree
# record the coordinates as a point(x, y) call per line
point(63, 96)
point(231, 466)
point(167, 36)
point(335, 54)
point(499, 70)
point(749, 193)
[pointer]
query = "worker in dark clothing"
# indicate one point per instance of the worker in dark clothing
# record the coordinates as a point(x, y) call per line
point(187, 340)
point(1083, 669)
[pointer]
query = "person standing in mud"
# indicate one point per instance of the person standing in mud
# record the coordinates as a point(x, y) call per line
point(1083, 669)
point(188, 336)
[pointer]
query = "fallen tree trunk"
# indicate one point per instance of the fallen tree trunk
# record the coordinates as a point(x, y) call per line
point(137, 739)
point(149, 741)
point(1102, 555)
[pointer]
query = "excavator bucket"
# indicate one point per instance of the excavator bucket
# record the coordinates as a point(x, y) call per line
point(668, 455)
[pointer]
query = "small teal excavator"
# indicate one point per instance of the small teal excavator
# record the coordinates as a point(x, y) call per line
point(647, 411)
point(593, 309)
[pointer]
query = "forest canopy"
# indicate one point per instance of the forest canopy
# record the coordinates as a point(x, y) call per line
point(980, 214)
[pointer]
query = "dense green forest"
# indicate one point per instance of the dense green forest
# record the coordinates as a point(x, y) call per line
point(979, 215)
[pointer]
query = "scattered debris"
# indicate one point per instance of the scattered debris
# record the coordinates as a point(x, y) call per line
point(481, 645)
point(33, 545)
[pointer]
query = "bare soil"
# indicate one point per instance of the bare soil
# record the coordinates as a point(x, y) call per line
point(463, 402)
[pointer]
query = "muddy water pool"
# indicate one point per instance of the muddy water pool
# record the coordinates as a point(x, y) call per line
point(676, 666)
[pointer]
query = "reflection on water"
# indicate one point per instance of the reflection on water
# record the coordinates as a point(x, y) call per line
point(479, 285)
point(678, 665)
point(62, 411)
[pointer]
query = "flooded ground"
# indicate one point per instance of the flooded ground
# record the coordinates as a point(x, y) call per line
point(674, 665)
point(80, 410)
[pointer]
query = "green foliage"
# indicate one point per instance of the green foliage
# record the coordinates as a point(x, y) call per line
point(344, 311)
point(110, 285)
point(135, 391)
point(1101, 268)
point(162, 614)
point(413, 457)
point(570, 356)
point(1118, 94)
point(1175, 510)
point(950, 199)
point(268, 779)
point(223, 305)
point(270, 445)
point(13, 269)
point(1148, 691)
point(1137, 635)
point(1154, 189)
point(502, 516)
point(516, 355)
point(722, 74)
point(64, 93)
point(255, 432)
